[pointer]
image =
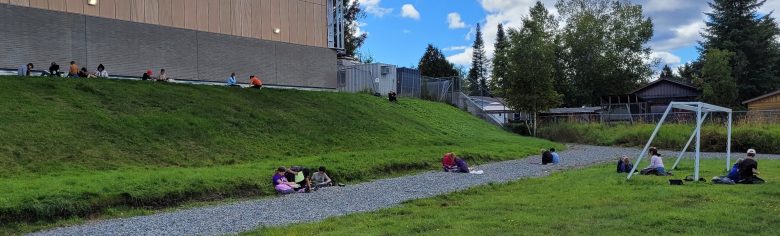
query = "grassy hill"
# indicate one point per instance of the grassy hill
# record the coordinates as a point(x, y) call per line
point(76, 147)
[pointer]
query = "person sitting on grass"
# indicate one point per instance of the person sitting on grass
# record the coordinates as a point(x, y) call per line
point(392, 96)
point(147, 75)
point(280, 183)
point(73, 70)
point(321, 179)
point(255, 82)
point(748, 169)
point(547, 157)
point(555, 157)
point(656, 164)
point(83, 73)
point(54, 70)
point(231, 81)
point(24, 70)
point(297, 176)
point(163, 77)
point(448, 162)
point(624, 165)
point(732, 177)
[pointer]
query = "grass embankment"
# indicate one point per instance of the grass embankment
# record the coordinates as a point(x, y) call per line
point(74, 148)
point(763, 137)
point(594, 201)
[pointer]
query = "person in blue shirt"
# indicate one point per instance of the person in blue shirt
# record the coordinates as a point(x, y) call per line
point(231, 81)
point(24, 70)
point(555, 157)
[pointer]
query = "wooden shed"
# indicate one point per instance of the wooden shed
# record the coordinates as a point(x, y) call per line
point(660, 93)
point(766, 102)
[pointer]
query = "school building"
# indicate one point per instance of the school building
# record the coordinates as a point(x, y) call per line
point(285, 42)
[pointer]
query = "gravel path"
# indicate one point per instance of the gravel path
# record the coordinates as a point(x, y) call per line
point(244, 216)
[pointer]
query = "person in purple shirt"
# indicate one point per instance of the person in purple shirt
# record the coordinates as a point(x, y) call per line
point(280, 182)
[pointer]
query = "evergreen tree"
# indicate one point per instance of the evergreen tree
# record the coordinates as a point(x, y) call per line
point(719, 86)
point(690, 73)
point(666, 73)
point(477, 77)
point(500, 62)
point(735, 26)
point(434, 64)
point(529, 82)
point(352, 41)
point(604, 50)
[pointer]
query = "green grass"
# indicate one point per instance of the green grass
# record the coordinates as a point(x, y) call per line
point(763, 137)
point(593, 201)
point(79, 148)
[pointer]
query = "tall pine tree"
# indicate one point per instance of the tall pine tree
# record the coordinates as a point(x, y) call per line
point(666, 73)
point(735, 26)
point(434, 64)
point(500, 63)
point(477, 76)
point(530, 79)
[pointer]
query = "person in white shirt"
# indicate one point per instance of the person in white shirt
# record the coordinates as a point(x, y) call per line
point(656, 162)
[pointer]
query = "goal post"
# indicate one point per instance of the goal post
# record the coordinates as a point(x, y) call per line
point(702, 110)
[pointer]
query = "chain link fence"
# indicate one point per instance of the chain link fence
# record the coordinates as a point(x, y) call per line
point(739, 117)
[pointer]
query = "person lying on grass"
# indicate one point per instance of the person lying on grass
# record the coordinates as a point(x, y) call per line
point(656, 166)
point(448, 162)
point(321, 179)
point(748, 169)
point(281, 184)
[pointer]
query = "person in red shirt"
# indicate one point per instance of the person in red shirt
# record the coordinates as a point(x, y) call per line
point(255, 82)
point(448, 162)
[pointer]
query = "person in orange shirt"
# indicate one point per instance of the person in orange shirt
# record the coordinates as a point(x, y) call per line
point(74, 70)
point(255, 82)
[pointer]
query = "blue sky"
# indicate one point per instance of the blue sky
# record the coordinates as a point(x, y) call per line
point(399, 30)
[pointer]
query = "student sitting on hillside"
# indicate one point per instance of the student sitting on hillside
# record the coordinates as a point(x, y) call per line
point(231, 81)
point(255, 82)
point(54, 70)
point(555, 157)
point(547, 157)
point(624, 165)
point(748, 169)
point(656, 166)
point(280, 183)
point(392, 96)
point(298, 176)
point(448, 162)
point(321, 179)
point(147, 75)
point(83, 73)
point(163, 77)
point(73, 71)
point(24, 70)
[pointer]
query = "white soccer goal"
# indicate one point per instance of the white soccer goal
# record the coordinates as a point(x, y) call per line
point(702, 110)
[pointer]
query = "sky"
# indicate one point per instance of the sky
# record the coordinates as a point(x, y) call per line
point(399, 30)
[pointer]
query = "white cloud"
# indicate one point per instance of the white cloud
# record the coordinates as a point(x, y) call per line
point(683, 36)
point(406, 31)
point(454, 21)
point(455, 48)
point(358, 30)
point(665, 57)
point(408, 11)
point(372, 7)
point(463, 58)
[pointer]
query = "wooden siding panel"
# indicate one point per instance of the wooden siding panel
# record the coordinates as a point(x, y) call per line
point(310, 24)
point(25, 3)
point(152, 11)
point(108, 8)
point(203, 15)
point(4, 1)
point(266, 9)
point(215, 22)
point(769, 103)
point(91, 10)
point(165, 11)
point(284, 15)
point(302, 21)
point(177, 13)
point(57, 5)
point(256, 21)
point(275, 20)
point(123, 9)
point(191, 14)
point(42, 4)
point(138, 11)
point(245, 11)
point(292, 24)
point(75, 6)
point(225, 16)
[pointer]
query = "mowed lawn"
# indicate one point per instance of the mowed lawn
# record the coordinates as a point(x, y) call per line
point(593, 201)
point(77, 149)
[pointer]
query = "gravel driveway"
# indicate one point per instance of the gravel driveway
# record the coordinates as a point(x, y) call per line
point(370, 196)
